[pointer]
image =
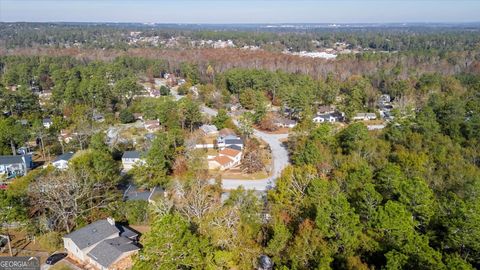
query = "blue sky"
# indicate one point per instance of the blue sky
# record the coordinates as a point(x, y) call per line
point(240, 11)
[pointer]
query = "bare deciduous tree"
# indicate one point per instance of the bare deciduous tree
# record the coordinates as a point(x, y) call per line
point(252, 161)
point(66, 196)
point(195, 198)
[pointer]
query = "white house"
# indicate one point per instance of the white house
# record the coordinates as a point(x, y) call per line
point(47, 122)
point(131, 159)
point(284, 122)
point(226, 159)
point(220, 162)
point(328, 117)
point(102, 244)
point(61, 162)
point(365, 116)
point(13, 166)
point(233, 154)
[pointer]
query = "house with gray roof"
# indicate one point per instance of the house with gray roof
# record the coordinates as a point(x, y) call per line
point(101, 244)
point(131, 159)
point(132, 193)
point(13, 166)
point(229, 140)
point(61, 162)
point(47, 122)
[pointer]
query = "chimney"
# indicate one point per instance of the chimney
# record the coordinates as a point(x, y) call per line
point(111, 221)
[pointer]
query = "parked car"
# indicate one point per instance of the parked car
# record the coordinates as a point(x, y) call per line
point(54, 258)
point(3, 242)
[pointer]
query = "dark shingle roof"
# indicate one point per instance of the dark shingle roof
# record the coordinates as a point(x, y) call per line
point(109, 250)
point(92, 233)
point(127, 232)
point(131, 154)
point(137, 195)
point(11, 159)
point(233, 141)
point(66, 156)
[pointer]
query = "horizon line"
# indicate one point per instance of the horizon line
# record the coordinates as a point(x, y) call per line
point(250, 23)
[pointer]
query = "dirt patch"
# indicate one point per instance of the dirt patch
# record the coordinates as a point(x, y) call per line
point(140, 228)
point(236, 173)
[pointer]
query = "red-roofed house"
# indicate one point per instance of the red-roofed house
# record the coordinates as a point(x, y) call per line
point(233, 154)
point(220, 162)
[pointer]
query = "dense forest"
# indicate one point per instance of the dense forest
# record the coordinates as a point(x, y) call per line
point(404, 197)
point(463, 37)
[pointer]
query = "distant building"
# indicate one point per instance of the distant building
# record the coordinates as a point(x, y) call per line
point(181, 81)
point(209, 129)
point(152, 125)
point(375, 127)
point(131, 159)
point(102, 245)
point(284, 122)
point(98, 117)
point(365, 116)
point(61, 162)
point(384, 99)
point(65, 136)
point(328, 117)
point(232, 107)
point(47, 122)
point(13, 166)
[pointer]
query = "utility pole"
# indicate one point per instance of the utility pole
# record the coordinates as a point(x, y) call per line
point(8, 241)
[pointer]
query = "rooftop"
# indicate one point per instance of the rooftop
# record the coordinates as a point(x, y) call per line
point(110, 250)
point(229, 152)
point(66, 156)
point(233, 141)
point(11, 159)
point(222, 160)
point(131, 154)
point(92, 233)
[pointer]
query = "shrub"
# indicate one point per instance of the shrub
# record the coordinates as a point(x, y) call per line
point(126, 117)
point(50, 241)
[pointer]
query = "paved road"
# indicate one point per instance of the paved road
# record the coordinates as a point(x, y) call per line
point(279, 156)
